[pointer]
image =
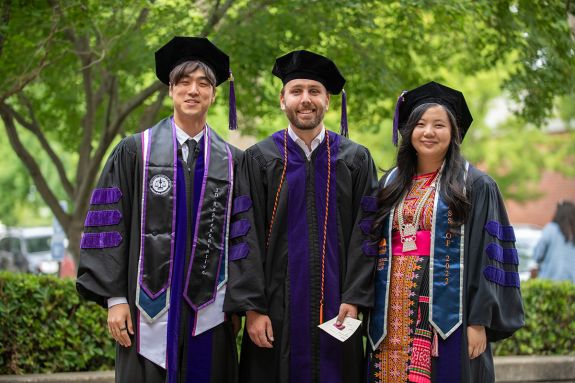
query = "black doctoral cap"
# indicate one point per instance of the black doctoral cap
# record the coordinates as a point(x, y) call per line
point(432, 92)
point(304, 64)
point(181, 48)
point(308, 65)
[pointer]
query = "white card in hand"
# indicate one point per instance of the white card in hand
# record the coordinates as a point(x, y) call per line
point(349, 326)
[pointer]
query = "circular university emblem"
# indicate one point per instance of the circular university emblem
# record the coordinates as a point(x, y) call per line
point(160, 184)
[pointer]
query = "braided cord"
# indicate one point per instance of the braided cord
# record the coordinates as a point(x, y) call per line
point(323, 246)
point(278, 191)
point(325, 221)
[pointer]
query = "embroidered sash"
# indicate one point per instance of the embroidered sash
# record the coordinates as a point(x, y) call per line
point(446, 266)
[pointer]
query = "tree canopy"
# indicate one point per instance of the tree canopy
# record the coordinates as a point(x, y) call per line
point(76, 74)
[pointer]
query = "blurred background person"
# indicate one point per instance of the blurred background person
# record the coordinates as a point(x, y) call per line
point(555, 251)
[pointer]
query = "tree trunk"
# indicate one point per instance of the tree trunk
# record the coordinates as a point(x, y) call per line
point(74, 234)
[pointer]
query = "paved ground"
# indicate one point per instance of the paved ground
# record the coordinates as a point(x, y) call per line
point(510, 369)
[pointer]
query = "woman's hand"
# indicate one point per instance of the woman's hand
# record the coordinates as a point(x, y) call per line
point(476, 341)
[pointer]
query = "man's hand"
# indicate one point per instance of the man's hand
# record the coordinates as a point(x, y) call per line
point(259, 328)
point(476, 341)
point(346, 310)
point(120, 324)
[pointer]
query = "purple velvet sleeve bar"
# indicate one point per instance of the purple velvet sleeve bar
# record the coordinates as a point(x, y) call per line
point(369, 204)
point(499, 254)
point(100, 240)
point(105, 196)
point(239, 228)
point(365, 225)
point(501, 232)
point(369, 249)
point(241, 204)
point(239, 251)
point(103, 218)
point(501, 277)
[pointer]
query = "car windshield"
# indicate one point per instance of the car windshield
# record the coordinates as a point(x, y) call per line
point(38, 244)
point(525, 250)
point(526, 240)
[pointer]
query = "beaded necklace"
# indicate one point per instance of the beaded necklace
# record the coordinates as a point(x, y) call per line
point(408, 231)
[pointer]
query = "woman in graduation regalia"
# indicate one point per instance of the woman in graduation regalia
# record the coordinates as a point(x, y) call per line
point(446, 279)
point(155, 245)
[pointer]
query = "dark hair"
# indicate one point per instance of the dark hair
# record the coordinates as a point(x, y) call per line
point(406, 162)
point(187, 67)
point(565, 218)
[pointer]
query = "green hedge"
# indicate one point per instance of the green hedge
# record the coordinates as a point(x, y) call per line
point(46, 327)
point(549, 321)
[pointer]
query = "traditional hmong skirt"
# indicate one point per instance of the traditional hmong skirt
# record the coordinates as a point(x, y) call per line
point(405, 353)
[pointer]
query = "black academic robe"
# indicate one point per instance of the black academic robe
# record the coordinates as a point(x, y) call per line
point(281, 276)
point(491, 295)
point(491, 300)
point(113, 272)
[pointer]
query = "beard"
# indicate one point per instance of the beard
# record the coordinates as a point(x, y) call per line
point(310, 124)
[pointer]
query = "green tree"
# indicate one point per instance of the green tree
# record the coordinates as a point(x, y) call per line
point(76, 74)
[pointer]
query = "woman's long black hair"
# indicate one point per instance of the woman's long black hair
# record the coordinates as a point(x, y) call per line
point(565, 218)
point(451, 178)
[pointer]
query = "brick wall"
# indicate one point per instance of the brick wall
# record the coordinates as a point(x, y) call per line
point(540, 212)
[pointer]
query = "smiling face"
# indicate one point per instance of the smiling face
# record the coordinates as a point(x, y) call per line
point(304, 103)
point(192, 96)
point(432, 135)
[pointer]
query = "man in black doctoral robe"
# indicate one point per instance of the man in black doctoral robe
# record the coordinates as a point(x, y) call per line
point(155, 245)
point(308, 194)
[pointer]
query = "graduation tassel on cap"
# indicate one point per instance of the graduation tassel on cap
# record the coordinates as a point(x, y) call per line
point(344, 131)
point(400, 100)
point(232, 116)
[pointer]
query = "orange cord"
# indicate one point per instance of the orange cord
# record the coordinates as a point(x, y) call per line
point(278, 191)
point(274, 211)
point(325, 227)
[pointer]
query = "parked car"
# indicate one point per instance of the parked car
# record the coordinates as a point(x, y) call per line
point(526, 237)
point(28, 250)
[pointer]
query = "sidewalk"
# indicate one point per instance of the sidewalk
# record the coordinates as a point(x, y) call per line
point(65, 377)
point(508, 369)
point(535, 369)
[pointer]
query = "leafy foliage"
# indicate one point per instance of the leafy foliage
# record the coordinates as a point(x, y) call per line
point(83, 75)
point(549, 324)
point(46, 327)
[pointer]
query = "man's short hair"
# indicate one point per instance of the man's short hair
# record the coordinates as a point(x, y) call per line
point(182, 70)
